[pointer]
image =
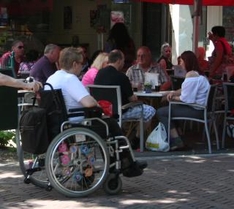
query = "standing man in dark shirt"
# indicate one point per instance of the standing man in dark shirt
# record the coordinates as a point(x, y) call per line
point(111, 75)
point(46, 65)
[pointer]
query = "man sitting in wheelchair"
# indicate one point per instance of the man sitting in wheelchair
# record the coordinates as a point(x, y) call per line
point(77, 96)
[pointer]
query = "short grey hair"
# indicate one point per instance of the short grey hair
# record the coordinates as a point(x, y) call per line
point(49, 48)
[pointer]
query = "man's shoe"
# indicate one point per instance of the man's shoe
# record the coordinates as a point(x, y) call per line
point(133, 171)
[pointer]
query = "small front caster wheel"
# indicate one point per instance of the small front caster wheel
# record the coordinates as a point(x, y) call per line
point(27, 181)
point(113, 184)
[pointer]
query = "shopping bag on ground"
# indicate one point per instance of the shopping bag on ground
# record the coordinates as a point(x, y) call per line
point(156, 141)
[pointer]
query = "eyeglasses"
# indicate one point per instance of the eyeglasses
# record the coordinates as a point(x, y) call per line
point(20, 47)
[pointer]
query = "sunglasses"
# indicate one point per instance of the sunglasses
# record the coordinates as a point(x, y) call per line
point(20, 47)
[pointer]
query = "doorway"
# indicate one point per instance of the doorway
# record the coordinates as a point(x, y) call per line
point(156, 27)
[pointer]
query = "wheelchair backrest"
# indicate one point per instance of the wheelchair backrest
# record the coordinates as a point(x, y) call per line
point(52, 101)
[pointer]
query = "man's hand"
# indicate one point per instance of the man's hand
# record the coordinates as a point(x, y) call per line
point(35, 86)
point(210, 36)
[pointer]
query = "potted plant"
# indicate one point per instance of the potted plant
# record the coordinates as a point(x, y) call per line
point(148, 87)
point(5, 137)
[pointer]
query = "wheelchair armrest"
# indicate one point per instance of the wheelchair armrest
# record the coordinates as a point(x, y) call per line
point(132, 104)
point(87, 112)
point(187, 104)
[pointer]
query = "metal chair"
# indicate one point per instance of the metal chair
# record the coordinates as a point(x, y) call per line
point(8, 108)
point(8, 105)
point(113, 95)
point(229, 107)
point(176, 82)
point(208, 115)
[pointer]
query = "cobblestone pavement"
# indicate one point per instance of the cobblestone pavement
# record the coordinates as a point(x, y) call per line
point(177, 182)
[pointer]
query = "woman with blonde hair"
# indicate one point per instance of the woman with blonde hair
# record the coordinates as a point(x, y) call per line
point(165, 58)
point(99, 63)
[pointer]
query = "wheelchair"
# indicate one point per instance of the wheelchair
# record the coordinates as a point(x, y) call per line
point(80, 159)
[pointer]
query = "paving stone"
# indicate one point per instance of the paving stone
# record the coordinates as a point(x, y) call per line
point(183, 182)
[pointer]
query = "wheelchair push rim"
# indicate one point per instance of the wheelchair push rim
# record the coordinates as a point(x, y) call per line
point(77, 162)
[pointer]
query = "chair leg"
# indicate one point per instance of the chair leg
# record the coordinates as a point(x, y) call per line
point(169, 125)
point(208, 138)
point(141, 136)
point(224, 132)
point(216, 134)
point(131, 126)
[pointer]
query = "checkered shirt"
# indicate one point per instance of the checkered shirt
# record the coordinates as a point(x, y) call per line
point(137, 75)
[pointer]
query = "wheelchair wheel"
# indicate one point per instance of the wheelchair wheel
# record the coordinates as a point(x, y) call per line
point(32, 166)
point(77, 162)
point(113, 184)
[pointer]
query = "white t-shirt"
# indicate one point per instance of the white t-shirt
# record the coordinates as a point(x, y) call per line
point(195, 90)
point(72, 89)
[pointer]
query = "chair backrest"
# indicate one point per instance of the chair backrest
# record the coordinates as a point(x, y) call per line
point(8, 105)
point(211, 98)
point(111, 94)
point(8, 108)
point(179, 71)
point(228, 89)
point(8, 71)
point(176, 82)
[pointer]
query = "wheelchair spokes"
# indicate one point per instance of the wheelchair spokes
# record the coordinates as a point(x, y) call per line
point(77, 162)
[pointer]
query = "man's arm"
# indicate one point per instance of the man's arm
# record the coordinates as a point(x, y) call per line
point(166, 81)
point(217, 63)
point(12, 82)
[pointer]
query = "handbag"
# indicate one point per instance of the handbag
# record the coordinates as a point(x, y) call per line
point(107, 107)
point(156, 141)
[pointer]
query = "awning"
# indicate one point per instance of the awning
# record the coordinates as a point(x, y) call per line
point(191, 2)
point(26, 7)
point(197, 11)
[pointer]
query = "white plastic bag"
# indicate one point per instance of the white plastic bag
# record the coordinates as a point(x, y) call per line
point(156, 141)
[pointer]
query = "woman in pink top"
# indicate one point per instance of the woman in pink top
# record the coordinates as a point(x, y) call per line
point(99, 63)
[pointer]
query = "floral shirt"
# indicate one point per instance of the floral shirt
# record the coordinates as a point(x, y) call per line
point(25, 66)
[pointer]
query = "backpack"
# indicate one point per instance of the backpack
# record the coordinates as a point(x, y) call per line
point(39, 125)
point(33, 130)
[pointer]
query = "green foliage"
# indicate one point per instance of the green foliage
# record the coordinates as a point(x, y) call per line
point(5, 137)
point(148, 84)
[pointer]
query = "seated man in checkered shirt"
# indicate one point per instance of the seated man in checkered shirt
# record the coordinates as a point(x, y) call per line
point(144, 63)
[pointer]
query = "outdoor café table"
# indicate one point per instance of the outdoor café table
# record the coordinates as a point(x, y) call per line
point(153, 99)
point(155, 94)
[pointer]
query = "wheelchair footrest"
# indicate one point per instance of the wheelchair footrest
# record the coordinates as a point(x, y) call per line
point(32, 170)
